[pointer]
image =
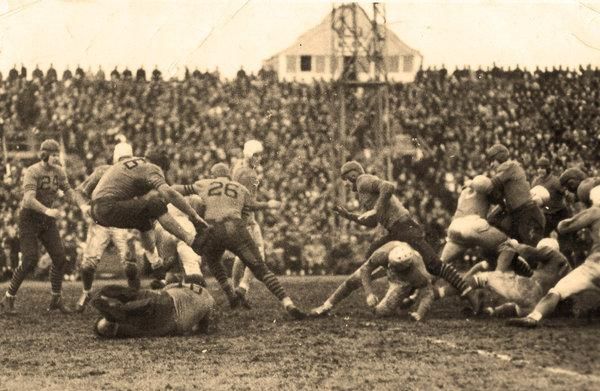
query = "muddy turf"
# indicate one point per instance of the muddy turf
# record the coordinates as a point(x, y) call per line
point(262, 349)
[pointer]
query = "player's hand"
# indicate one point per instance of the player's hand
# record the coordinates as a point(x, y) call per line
point(54, 213)
point(367, 215)
point(273, 204)
point(340, 210)
point(372, 300)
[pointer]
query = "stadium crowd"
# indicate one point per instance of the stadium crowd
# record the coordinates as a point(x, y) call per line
point(451, 118)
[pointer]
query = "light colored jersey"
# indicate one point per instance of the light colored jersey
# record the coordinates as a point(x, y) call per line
point(129, 178)
point(223, 198)
point(87, 187)
point(471, 202)
point(46, 181)
point(368, 192)
point(190, 307)
point(511, 178)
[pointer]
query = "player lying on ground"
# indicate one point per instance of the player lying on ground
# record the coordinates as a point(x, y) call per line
point(175, 310)
point(380, 205)
point(519, 294)
point(584, 277)
point(406, 272)
point(99, 237)
point(133, 193)
point(224, 200)
point(37, 224)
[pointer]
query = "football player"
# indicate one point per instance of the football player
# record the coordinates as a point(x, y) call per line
point(519, 293)
point(380, 205)
point(133, 193)
point(555, 208)
point(584, 277)
point(244, 171)
point(527, 221)
point(224, 200)
point(37, 223)
point(175, 310)
point(99, 237)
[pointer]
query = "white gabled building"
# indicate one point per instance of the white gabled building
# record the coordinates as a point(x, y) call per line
point(311, 56)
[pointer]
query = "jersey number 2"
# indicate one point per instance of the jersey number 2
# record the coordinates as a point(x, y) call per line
point(216, 189)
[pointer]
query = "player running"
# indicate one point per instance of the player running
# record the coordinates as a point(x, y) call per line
point(224, 200)
point(405, 271)
point(527, 221)
point(175, 310)
point(244, 171)
point(376, 197)
point(133, 193)
point(37, 222)
point(584, 277)
point(519, 293)
point(99, 237)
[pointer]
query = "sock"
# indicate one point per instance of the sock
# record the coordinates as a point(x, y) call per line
point(17, 279)
point(449, 273)
point(343, 291)
point(237, 271)
point(246, 279)
point(87, 278)
point(521, 267)
point(273, 285)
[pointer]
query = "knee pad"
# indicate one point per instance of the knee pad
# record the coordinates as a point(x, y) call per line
point(156, 206)
point(553, 291)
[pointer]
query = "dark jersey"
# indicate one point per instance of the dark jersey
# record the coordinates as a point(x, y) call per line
point(46, 181)
point(90, 183)
point(511, 178)
point(223, 198)
point(368, 193)
point(552, 184)
point(129, 178)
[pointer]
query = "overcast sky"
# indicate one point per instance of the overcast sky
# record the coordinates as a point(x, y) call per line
point(227, 34)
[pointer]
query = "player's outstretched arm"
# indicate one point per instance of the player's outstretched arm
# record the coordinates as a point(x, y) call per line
point(263, 205)
point(581, 220)
point(78, 199)
point(177, 199)
point(367, 282)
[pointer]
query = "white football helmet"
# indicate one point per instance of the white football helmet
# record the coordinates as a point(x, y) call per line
point(122, 150)
point(401, 256)
point(252, 147)
point(549, 242)
point(481, 184)
point(540, 195)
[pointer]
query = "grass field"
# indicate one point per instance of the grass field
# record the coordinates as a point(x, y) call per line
point(262, 349)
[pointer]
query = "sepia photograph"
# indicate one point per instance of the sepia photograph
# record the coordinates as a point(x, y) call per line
point(299, 194)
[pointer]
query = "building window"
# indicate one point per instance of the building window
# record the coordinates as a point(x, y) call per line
point(320, 64)
point(305, 63)
point(408, 63)
point(291, 64)
point(393, 64)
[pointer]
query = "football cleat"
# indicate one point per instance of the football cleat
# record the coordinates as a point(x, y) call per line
point(320, 312)
point(296, 312)
point(415, 316)
point(83, 301)
point(241, 294)
point(525, 322)
point(56, 303)
point(8, 304)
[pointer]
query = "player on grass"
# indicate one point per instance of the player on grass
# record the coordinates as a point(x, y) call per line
point(244, 171)
point(406, 272)
point(380, 205)
point(99, 237)
point(175, 310)
point(584, 277)
point(519, 294)
point(224, 200)
point(37, 223)
point(133, 193)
